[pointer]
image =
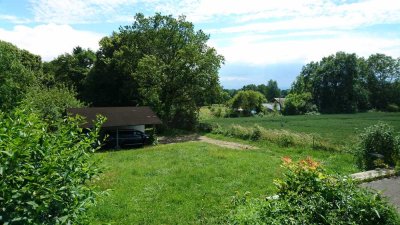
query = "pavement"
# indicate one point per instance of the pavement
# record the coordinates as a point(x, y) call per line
point(389, 187)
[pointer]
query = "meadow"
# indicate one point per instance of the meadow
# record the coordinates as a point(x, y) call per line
point(339, 129)
point(194, 182)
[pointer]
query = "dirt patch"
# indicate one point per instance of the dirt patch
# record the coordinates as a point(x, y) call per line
point(195, 137)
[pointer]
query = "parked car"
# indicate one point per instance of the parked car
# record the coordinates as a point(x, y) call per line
point(126, 138)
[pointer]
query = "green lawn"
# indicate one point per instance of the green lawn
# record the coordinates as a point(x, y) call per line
point(337, 128)
point(193, 182)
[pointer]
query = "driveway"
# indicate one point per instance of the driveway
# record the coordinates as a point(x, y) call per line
point(390, 188)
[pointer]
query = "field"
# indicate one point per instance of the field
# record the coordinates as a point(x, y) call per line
point(193, 182)
point(340, 129)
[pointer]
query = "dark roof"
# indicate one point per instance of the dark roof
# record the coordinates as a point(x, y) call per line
point(117, 116)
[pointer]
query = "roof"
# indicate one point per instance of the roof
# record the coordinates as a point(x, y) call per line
point(280, 100)
point(117, 116)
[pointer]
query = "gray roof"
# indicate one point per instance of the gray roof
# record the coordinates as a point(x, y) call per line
point(117, 116)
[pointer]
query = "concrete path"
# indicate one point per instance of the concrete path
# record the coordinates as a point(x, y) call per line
point(390, 187)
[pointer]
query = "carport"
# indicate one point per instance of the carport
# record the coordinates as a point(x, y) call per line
point(118, 118)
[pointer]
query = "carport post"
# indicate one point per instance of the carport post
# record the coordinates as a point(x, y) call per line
point(117, 139)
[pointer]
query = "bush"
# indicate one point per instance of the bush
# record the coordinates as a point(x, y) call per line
point(377, 140)
point(44, 175)
point(50, 103)
point(307, 195)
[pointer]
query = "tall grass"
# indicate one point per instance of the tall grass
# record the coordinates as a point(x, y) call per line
point(283, 138)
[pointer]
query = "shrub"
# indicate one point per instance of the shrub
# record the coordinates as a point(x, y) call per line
point(44, 175)
point(307, 195)
point(50, 103)
point(376, 140)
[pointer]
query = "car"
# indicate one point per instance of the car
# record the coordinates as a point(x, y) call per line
point(126, 138)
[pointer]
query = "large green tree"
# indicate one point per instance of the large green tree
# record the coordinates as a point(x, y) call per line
point(70, 70)
point(19, 70)
point(247, 101)
point(158, 61)
point(382, 79)
point(335, 83)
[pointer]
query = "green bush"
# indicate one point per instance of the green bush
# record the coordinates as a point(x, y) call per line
point(377, 140)
point(50, 103)
point(307, 195)
point(44, 174)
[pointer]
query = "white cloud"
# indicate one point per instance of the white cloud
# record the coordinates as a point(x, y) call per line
point(50, 40)
point(13, 19)
point(233, 78)
point(250, 51)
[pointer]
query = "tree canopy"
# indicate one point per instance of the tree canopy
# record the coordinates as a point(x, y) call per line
point(157, 61)
point(248, 101)
point(19, 70)
point(346, 83)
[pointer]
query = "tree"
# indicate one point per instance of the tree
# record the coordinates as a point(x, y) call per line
point(298, 104)
point(19, 70)
point(335, 83)
point(248, 101)
point(382, 80)
point(158, 61)
point(71, 70)
point(272, 90)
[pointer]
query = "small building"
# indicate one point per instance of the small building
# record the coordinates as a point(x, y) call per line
point(276, 104)
point(118, 118)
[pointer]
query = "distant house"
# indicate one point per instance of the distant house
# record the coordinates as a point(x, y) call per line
point(118, 117)
point(277, 104)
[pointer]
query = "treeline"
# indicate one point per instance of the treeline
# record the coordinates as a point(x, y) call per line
point(158, 61)
point(346, 83)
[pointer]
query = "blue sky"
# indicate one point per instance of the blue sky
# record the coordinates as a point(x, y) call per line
point(260, 39)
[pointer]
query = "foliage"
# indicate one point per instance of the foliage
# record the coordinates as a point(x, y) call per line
point(44, 174)
point(248, 101)
point(307, 195)
point(270, 91)
point(376, 140)
point(298, 104)
point(50, 103)
point(157, 61)
point(19, 70)
point(71, 70)
point(346, 83)
point(383, 76)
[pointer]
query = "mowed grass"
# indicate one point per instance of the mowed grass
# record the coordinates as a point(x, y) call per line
point(192, 182)
point(340, 129)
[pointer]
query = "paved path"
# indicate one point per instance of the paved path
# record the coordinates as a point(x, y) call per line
point(390, 188)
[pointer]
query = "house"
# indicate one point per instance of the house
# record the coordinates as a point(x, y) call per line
point(277, 104)
point(119, 119)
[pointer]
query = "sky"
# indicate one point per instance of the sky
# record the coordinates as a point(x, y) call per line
point(260, 39)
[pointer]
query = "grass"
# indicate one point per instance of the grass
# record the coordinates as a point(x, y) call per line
point(339, 129)
point(192, 182)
